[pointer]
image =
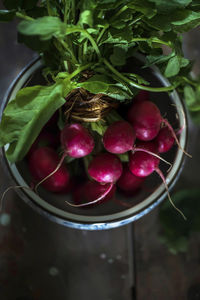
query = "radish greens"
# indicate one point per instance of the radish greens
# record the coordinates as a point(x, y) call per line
point(96, 36)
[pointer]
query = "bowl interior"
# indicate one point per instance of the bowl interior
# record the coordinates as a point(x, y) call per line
point(153, 190)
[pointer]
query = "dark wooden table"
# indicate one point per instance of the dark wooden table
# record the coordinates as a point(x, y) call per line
point(40, 260)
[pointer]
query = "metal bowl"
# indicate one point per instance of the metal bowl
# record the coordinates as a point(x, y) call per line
point(107, 215)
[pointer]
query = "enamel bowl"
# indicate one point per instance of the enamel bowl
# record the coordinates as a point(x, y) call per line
point(110, 214)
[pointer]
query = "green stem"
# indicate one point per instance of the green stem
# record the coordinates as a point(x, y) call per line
point(90, 38)
point(66, 11)
point(74, 60)
point(137, 85)
point(102, 32)
point(67, 66)
point(49, 8)
point(154, 40)
point(85, 48)
point(92, 41)
point(79, 70)
point(190, 81)
point(119, 12)
point(22, 16)
point(139, 17)
point(80, 54)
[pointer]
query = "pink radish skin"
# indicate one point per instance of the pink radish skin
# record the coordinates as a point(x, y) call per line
point(164, 140)
point(119, 137)
point(76, 140)
point(90, 191)
point(128, 182)
point(142, 96)
point(42, 162)
point(143, 164)
point(146, 119)
point(105, 168)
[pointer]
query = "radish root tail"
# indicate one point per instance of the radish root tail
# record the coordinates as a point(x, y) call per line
point(165, 121)
point(53, 172)
point(94, 201)
point(168, 194)
point(178, 132)
point(7, 190)
point(151, 153)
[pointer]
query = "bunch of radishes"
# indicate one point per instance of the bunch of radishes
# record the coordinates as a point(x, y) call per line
point(144, 135)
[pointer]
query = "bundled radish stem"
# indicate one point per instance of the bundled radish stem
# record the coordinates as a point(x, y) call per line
point(86, 47)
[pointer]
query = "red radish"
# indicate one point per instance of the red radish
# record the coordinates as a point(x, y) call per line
point(128, 182)
point(142, 96)
point(105, 168)
point(143, 164)
point(76, 140)
point(146, 119)
point(43, 162)
point(164, 140)
point(91, 191)
point(119, 137)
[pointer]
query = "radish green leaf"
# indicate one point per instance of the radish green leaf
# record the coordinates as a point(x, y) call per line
point(25, 116)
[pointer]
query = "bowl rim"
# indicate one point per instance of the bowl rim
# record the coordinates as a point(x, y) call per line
point(105, 221)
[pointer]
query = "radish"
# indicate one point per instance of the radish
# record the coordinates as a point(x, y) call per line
point(105, 168)
point(76, 140)
point(142, 96)
point(164, 140)
point(143, 164)
point(119, 137)
point(43, 162)
point(128, 182)
point(91, 191)
point(146, 120)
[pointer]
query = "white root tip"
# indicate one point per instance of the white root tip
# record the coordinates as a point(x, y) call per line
point(135, 149)
point(51, 174)
point(165, 121)
point(7, 190)
point(168, 194)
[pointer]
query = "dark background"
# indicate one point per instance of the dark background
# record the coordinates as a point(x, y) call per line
point(40, 260)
